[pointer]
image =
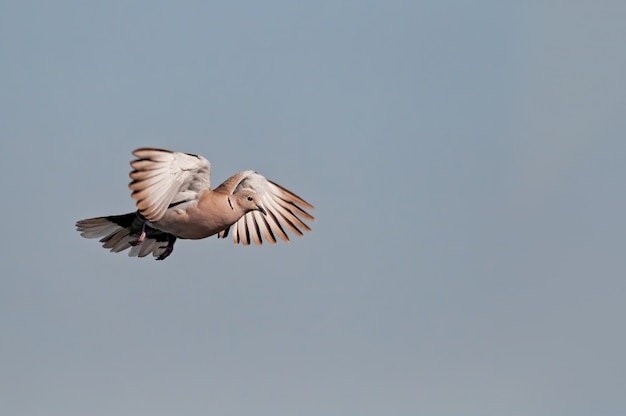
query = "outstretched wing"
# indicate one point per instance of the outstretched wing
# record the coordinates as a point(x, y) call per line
point(284, 210)
point(162, 178)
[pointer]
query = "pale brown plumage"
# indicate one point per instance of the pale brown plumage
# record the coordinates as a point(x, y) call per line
point(174, 199)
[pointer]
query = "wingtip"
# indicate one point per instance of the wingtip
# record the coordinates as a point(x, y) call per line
point(142, 150)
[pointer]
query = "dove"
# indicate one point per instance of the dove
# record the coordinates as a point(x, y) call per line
point(174, 199)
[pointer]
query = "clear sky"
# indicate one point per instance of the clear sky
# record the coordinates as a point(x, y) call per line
point(466, 161)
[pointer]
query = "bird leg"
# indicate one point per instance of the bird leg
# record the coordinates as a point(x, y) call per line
point(142, 236)
point(169, 249)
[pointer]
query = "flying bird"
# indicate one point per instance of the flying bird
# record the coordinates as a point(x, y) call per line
point(174, 199)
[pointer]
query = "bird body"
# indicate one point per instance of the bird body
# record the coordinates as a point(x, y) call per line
point(204, 217)
point(174, 200)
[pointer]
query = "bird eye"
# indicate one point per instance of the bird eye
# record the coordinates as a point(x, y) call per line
point(249, 198)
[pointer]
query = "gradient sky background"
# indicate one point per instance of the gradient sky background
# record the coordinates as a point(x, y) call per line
point(467, 164)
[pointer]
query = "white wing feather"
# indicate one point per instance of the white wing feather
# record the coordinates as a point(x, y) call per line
point(162, 177)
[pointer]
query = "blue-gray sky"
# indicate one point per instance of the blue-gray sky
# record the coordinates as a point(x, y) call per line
point(466, 162)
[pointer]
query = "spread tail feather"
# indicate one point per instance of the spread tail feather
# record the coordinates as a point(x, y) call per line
point(121, 232)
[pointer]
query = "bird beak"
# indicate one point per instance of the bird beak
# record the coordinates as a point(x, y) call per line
point(260, 208)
